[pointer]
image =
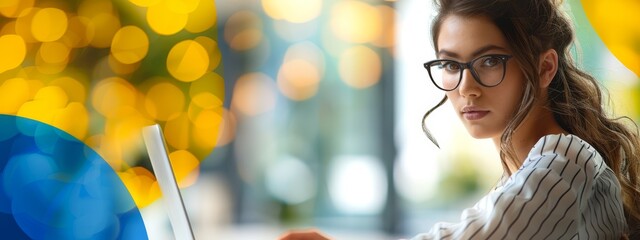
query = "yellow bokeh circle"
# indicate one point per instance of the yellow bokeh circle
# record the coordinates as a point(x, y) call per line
point(49, 24)
point(45, 67)
point(13, 49)
point(294, 11)
point(122, 68)
point(183, 6)
point(113, 97)
point(211, 82)
point(77, 35)
point(206, 127)
point(45, 105)
point(202, 18)
point(54, 52)
point(298, 79)
point(75, 89)
point(176, 132)
point(130, 44)
point(24, 23)
point(187, 61)
point(164, 101)
point(254, 93)
point(360, 67)
point(164, 20)
point(73, 119)
point(13, 8)
point(355, 21)
point(215, 56)
point(13, 93)
point(184, 164)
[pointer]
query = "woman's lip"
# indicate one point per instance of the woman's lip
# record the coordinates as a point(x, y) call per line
point(474, 115)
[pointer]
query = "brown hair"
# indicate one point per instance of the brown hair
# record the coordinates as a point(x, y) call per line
point(575, 98)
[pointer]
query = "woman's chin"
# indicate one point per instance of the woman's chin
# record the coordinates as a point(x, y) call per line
point(479, 134)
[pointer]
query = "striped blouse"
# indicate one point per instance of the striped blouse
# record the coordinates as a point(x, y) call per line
point(564, 190)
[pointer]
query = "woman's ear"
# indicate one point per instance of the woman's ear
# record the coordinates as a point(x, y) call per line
point(548, 67)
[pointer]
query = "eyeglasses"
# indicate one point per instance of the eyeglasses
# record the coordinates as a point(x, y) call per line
point(487, 70)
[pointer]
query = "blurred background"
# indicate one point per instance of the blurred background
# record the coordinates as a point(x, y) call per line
point(279, 114)
point(326, 104)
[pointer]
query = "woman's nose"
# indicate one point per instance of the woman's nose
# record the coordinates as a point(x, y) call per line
point(469, 87)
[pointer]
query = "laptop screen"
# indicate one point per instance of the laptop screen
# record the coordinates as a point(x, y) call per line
point(156, 148)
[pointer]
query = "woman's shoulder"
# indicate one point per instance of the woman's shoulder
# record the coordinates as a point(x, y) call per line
point(563, 145)
point(560, 151)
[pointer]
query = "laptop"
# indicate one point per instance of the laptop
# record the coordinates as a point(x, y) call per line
point(176, 210)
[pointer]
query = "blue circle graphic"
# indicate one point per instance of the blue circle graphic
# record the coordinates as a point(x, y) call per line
point(53, 186)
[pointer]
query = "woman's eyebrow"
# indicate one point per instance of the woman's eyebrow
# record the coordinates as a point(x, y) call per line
point(476, 53)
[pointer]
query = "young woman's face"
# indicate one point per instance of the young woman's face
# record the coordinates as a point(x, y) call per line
point(484, 111)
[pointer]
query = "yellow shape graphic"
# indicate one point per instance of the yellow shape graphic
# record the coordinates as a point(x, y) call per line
point(616, 22)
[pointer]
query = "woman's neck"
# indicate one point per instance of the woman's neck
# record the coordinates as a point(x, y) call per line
point(538, 123)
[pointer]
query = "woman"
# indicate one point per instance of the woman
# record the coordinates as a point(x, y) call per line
point(571, 172)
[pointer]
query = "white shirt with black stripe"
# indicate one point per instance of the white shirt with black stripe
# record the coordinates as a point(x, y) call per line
point(564, 190)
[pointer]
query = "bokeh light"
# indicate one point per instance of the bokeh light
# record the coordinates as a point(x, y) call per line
point(293, 10)
point(188, 61)
point(78, 35)
point(206, 124)
point(301, 71)
point(296, 32)
point(227, 128)
point(120, 68)
point(164, 19)
point(387, 38)
point(182, 6)
point(13, 8)
point(364, 194)
point(298, 79)
point(184, 165)
point(213, 51)
point(14, 51)
point(360, 67)
point(290, 180)
point(54, 52)
point(177, 131)
point(203, 17)
point(23, 24)
point(113, 97)
point(164, 101)
point(356, 21)
point(101, 70)
point(13, 93)
point(253, 94)
point(129, 45)
point(48, 24)
point(243, 30)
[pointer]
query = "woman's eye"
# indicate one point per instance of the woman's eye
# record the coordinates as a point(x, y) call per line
point(449, 66)
point(491, 61)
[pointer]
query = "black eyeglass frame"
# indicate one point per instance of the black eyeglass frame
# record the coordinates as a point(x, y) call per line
point(469, 65)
